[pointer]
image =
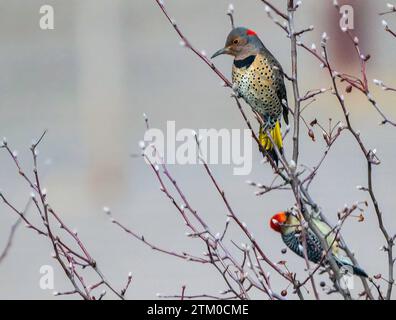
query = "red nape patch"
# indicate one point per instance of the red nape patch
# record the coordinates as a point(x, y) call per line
point(251, 33)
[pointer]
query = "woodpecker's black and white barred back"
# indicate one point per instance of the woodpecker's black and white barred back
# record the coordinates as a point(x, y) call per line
point(294, 241)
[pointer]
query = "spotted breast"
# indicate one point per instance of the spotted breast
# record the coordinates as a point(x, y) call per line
point(259, 80)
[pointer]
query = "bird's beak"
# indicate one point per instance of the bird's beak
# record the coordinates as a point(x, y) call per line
point(219, 52)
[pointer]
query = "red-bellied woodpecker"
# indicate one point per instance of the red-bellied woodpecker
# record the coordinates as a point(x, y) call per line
point(289, 226)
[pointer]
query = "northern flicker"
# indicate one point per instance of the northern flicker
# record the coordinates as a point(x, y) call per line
point(289, 226)
point(258, 78)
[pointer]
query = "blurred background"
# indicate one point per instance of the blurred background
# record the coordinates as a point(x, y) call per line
point(109, 61)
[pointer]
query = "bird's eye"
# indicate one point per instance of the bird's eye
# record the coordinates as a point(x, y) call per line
point(236, 41)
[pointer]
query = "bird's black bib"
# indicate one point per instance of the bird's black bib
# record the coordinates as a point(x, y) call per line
point(244, 63)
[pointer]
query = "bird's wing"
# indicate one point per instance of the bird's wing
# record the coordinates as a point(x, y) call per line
point(280, 87)
point(281, 93)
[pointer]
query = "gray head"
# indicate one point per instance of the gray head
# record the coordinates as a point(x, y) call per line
point(241, 43)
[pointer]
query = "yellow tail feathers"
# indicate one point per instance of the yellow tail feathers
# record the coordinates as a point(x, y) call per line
point(276, 135)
